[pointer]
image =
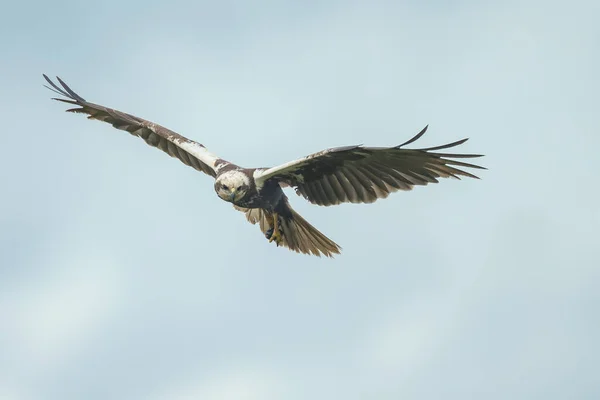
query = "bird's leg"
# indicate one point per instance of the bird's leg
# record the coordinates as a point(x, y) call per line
point(276, 233)
point(269, 231)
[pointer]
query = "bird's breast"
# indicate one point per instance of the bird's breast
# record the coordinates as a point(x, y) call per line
point(267, 198)
point(250, 201)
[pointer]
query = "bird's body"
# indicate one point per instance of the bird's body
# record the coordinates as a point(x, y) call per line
point(351, 174)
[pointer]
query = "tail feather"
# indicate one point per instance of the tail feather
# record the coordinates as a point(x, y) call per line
point(298, 235)
point(301, 236)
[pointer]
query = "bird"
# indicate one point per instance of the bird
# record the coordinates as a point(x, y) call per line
point(348, 174)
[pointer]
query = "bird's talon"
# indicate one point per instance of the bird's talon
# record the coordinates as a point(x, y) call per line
point(276, 237)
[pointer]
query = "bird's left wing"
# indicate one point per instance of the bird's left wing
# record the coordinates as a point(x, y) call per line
point(188, 151)
point(358, 174)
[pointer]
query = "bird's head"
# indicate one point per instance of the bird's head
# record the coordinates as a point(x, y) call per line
point(232, 186)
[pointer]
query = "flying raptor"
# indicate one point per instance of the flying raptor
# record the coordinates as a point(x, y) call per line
point(350, 174)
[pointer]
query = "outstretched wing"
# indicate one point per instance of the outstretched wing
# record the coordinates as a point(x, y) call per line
point(358, 174)
point(189, 152)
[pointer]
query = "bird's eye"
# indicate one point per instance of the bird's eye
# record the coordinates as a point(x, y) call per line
point(225, 187)
point(239, 188)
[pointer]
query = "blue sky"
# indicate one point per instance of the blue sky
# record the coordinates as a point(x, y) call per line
point(123, 276)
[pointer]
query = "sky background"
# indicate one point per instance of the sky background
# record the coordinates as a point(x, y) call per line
point(124, 276)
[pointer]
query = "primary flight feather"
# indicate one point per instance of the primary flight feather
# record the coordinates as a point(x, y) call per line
point(351, 174)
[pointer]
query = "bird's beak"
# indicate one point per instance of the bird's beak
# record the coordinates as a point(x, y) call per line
point(232, 196)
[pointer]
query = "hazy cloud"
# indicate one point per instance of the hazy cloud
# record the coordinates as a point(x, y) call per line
point(124, 276)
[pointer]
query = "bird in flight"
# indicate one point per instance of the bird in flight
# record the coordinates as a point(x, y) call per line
point(350, 174)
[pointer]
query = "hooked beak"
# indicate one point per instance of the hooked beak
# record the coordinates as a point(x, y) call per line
point(232, 195)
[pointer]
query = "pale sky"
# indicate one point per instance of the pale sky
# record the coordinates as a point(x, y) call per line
point(124, 276)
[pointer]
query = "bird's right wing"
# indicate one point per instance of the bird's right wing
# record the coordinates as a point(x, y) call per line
point(357, 174)
point(188, 151)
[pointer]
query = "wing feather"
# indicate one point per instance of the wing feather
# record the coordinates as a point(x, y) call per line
point(351, 192)
point(339, 194)
point(365, 184)
point(329, 196)
point(358, 174)
point(187, 151)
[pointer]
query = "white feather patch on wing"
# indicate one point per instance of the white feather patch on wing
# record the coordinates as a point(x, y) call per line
point(257, 181)
point(259, 174)
point(197, 150)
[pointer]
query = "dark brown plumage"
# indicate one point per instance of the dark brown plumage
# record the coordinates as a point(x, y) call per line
point(350, 174)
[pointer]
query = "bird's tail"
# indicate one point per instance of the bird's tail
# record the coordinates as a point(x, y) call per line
point(298, 234)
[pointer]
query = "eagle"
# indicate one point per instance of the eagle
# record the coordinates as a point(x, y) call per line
point(349, 174)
